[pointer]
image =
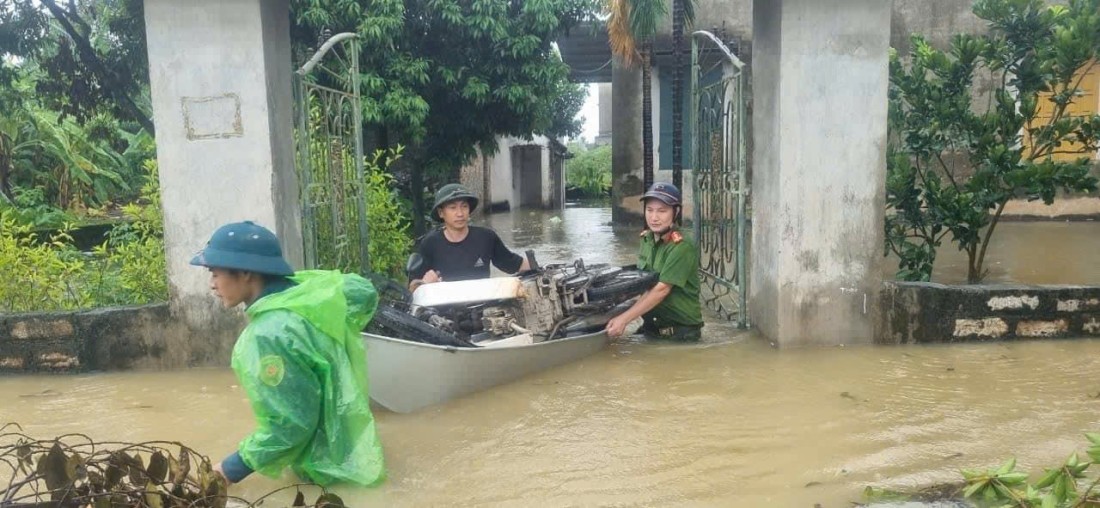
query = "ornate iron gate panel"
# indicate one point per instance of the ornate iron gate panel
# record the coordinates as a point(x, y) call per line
point(329, 157)
point(720, 175)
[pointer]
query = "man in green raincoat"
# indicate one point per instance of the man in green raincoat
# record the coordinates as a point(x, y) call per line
point(300, 359)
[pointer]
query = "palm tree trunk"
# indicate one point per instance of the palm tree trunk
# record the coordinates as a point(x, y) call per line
point(677, 93)
point(647, 116)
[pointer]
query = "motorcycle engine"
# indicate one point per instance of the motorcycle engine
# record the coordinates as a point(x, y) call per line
point(499, 320)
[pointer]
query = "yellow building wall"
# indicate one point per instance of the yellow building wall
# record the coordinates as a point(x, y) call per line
point(1085, 104)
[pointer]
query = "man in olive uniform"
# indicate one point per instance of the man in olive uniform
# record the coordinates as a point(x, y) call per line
point(671, 308)
point(460, 251)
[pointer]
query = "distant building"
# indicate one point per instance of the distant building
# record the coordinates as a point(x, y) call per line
point(522, 173)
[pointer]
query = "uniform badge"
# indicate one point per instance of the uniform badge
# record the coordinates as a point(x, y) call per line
point(675, 237)
point(272, 370)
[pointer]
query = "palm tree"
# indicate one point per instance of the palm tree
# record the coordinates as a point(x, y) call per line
point(630, 31)
point(683, 16)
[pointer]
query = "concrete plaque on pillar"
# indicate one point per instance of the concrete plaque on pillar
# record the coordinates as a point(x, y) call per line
point(819, 118)
point(220, 76)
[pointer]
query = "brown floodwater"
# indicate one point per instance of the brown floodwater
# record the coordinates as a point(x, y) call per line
point(727, 422)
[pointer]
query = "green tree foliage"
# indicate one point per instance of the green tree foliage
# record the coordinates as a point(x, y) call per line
point(589, 170)
point(439, 76)
point(59, 162)
point(953, 162)
point(71, 167)
point(443, 76)
point(92, 55)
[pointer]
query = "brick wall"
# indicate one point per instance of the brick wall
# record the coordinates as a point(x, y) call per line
point(917, 312)
point(106, 339)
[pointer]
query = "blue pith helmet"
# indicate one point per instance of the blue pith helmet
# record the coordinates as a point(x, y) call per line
point(245, 246)
point(666, 192)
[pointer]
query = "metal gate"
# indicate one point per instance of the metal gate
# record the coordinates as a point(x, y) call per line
point(719, 80)
point(329, 157)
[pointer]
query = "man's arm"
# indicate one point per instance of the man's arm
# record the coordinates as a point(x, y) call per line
point(427, 273)
point(506, 260)
point(646, 303)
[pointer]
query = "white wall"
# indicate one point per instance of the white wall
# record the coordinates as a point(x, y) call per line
point(219, 72)
point(500, 164)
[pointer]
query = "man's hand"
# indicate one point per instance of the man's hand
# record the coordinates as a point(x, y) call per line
point(218, 470)
point(617, 325)
point(645, 303)
point(430, 277)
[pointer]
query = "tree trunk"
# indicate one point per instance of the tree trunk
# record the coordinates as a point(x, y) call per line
point(6, 165)
point(975, 273)
point(647, 116)
point(972, 270)
point(107, 79)
point(677, 93)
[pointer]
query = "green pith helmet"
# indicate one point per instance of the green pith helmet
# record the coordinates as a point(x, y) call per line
point(453, 192)
point(244, 246)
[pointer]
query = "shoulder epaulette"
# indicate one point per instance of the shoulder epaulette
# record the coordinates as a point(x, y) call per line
point(643, 233)
point(675, 237)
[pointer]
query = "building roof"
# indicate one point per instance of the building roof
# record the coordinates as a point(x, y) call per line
point(587, 53)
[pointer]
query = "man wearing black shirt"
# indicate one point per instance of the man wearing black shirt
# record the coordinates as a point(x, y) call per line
point(460, 251)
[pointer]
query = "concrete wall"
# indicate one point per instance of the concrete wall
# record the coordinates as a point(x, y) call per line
point(938, 20)
point(473, 177)
point(921, 312)
point(604, 105)
point(820, 82)
point(502, 194)
point(220, 78)
point(106, 339)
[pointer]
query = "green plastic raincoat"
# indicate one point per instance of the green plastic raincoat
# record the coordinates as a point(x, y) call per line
point(303, 364)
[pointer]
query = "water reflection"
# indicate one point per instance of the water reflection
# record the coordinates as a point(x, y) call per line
point(1028, 253)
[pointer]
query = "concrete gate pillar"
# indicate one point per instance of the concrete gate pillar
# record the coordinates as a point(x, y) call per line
point(220, 76)
point(819, 116)
point(626, 144)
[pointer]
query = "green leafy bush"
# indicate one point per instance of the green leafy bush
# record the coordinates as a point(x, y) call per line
point(53, 275)
point(1063, 486)
point(135, 251)
point(31, 208)
point(388, 221)
point(37, 275)
point(589, 170)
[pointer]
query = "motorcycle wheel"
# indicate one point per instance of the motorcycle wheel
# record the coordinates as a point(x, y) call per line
point(625, 284)
point(404, 326)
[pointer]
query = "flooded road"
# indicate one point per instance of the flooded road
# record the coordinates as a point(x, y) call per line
point(727, 422)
